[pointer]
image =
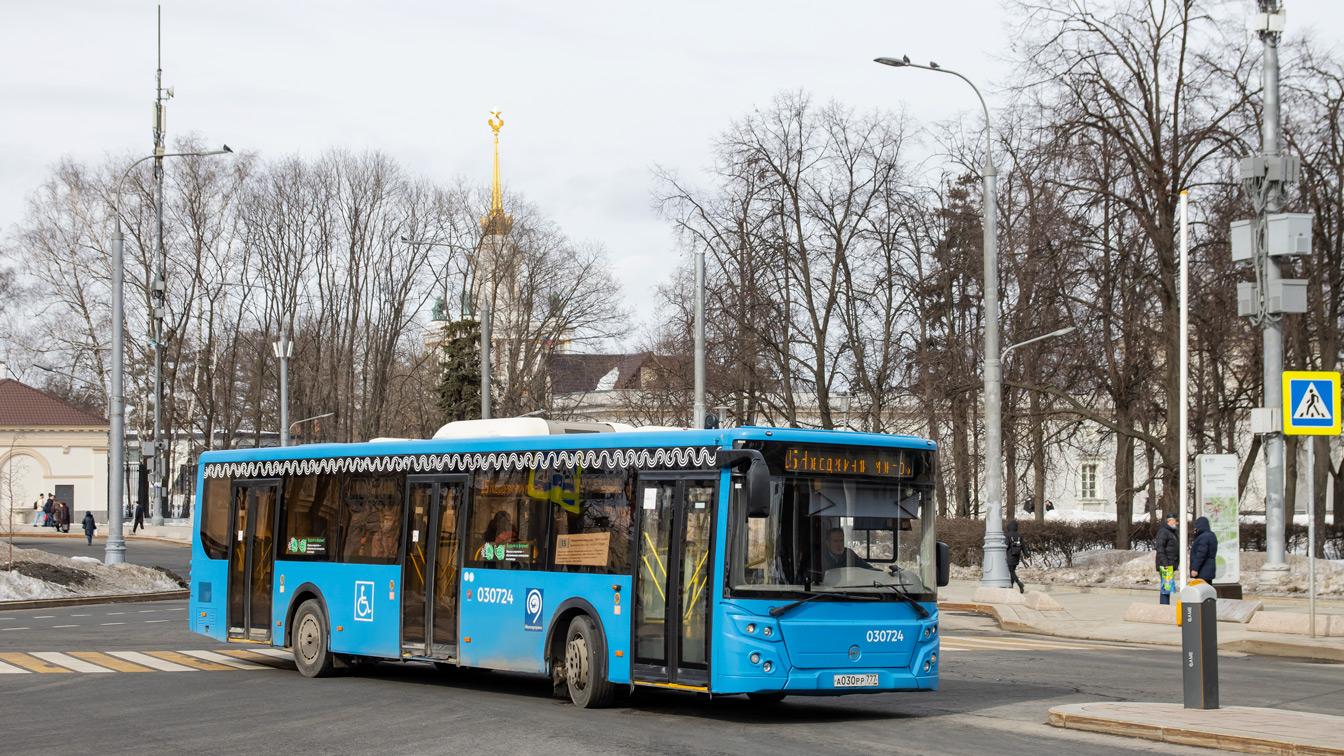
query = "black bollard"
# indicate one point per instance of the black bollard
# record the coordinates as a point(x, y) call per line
point(1199, 645)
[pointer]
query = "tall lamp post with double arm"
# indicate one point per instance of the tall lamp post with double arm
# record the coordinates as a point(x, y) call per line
point(995, 574)
point(116, 544)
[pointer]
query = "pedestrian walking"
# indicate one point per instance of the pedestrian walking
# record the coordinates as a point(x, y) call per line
point(1017, 553)
point(89, 526)
point(63, 517)
point(1168, 556)
point(139, 523)
point(38, 517)
point(48, 508)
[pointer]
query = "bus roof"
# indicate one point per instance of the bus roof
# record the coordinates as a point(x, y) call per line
point(636, 438)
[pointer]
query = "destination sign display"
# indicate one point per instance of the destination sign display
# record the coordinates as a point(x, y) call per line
point(843, 461)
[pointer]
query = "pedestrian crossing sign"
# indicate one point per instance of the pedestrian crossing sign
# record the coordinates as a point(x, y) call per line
point(1310, 403)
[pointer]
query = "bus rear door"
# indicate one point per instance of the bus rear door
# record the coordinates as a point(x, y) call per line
point(430, 571)
point(673, 583)
point(252, 559)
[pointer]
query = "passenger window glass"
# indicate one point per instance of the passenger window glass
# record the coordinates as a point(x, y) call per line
point(593, 529)
point(371, 518)
point(508, 528)
point(214, 516)
point(310, 506)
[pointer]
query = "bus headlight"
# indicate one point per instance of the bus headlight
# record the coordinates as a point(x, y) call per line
point(933, 658)
point(927, 665)
point(755, 658)
point(768, 666)
point(766, 631)
point(751, 627)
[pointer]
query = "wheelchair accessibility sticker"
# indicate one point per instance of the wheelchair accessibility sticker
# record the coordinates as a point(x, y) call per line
point(364, 601)
point(532, 609)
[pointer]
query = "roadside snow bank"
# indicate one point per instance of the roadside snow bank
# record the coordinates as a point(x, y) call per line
point(39, 575)
point(1136, 569)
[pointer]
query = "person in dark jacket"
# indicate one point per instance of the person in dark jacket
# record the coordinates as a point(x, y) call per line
point(1168, 556)
point(63, 517)
point(1203, 552)
point(1017, 553)
point(139, 522)
point(89, 526)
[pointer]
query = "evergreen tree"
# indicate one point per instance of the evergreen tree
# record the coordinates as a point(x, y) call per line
point(459, 387)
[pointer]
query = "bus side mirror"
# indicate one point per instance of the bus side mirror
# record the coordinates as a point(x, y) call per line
point(944, 563)
point(756, 483)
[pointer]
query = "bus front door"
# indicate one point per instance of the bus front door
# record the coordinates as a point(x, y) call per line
point(252, 560)
point(430, 569)
point(673, 583)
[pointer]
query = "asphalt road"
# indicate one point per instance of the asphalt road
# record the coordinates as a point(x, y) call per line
point(996, 690)
point(146, 553)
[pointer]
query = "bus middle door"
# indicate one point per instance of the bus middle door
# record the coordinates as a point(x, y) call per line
point(673, 580)
point(430, 570)
point(252, 559)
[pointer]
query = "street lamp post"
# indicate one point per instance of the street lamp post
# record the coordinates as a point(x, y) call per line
point(995, 572)
point(116, 544)
point(289, 430)
point(284, 349)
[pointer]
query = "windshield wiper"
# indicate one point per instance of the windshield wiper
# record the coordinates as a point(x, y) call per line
point(906, 597)
point(776, 611)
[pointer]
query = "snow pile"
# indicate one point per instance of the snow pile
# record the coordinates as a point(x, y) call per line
point(1136, 569)
point(39, 575)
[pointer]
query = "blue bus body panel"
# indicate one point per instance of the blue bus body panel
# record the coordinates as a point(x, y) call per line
point(812, 643)
point(507, 613)
point(363, 604)
point(209, 602)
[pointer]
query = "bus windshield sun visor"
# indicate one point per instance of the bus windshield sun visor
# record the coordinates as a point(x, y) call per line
point(757, 479)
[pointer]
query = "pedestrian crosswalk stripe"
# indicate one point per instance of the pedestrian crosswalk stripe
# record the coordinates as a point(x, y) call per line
point(10, 669)
point(31, 663)
point(111, 662)
point(78, 665)
point(281, 660)
point(187, 661)
point(149, 661)
point(977, 643)
point(275, 653)
point(226, 661)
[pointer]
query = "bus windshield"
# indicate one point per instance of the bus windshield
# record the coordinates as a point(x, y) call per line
point(837, 535)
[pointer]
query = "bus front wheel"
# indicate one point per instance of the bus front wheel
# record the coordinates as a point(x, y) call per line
point(588, 687)
point(312, 655)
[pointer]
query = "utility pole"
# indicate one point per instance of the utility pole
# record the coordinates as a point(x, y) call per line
point(158, 291)
point(698, 410)
point(284, 349)
point(1263, 241)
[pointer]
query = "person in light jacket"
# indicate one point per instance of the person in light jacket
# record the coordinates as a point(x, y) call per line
point(1203, 552)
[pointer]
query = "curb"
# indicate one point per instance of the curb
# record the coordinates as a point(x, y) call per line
point(156, 539)
point(123, 598)
point(1184, 735)
point(1265, 647)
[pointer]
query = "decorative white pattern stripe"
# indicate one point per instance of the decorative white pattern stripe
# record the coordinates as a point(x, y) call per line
point(677, 458)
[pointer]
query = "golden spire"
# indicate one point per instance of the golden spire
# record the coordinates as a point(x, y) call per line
point(496, 223)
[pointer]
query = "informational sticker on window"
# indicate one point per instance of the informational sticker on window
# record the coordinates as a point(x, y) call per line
point(306, 546)
point(514, 552)
point(1216, 494)
point(584, 549)
point(650, 498)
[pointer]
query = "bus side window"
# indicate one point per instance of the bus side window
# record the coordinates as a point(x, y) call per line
point(507, 528)
point(215, 518)
point(371, 518)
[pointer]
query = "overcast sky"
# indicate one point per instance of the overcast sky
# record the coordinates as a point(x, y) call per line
point(593, 94)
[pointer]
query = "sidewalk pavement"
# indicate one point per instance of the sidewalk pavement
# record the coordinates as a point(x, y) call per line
point(178, 534)
point(1098, 614)
point(1234, 728)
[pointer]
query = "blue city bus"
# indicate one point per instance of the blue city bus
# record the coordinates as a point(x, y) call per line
point(758, 561)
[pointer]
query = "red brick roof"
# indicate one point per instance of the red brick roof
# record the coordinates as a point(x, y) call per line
point(23, 406)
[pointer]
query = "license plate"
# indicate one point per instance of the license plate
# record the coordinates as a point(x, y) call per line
point(856, 681)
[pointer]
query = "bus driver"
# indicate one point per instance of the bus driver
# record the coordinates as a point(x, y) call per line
point(837, 555)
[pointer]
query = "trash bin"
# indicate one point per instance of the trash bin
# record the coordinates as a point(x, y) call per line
point(1199, 645)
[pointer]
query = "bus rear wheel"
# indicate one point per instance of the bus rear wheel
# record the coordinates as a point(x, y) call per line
point(588, 687)
point(312, 654)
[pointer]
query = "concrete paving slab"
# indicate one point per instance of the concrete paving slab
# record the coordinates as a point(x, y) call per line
point(1042, 602)
point(1237, 610)
point(1006, 596)
point(1158, 614)
point(1297, 623)
point(1233, 728)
